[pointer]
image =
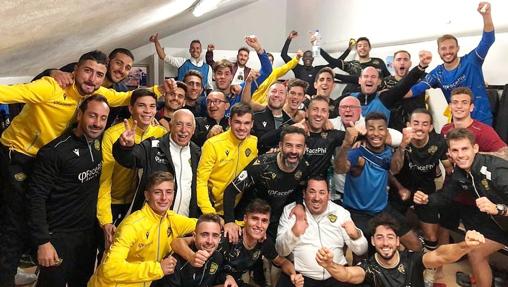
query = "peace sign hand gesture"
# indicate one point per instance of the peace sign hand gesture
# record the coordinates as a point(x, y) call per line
point(128, 136)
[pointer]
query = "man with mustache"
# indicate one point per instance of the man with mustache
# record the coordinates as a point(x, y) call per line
point(49, 109)
point(173, 152)
point(390, 267)
point(62, 198)
point(119, 66)
point(463, 71)
point(278, 178)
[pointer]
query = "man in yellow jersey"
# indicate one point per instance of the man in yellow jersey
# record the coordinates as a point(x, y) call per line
point(117, 183)
point(223, 157)
point(140, 252)
point(48, 111)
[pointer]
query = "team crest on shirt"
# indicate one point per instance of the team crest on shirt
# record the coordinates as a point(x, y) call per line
point(332, 218)
point(298, 175)
point(401, 269)
point(256, 254)
point(97, 144)
point(248, 152)
point(213, 268)
point(20, 176)
point(432, 149)
point(485, 184)
point(324, 135)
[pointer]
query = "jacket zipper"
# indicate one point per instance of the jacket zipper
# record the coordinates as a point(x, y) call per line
point(89, 148)
point(237, 159)
point(478, 194)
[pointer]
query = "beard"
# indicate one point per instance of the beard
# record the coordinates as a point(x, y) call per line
point(290, 165)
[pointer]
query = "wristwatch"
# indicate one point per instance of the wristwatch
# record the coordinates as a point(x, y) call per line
point(501, 209)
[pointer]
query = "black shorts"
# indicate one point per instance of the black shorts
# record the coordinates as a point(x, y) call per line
point(449, 216)
point(427, 214)
point(474, 219)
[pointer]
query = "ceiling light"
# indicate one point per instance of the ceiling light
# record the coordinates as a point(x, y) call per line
point(205, 6)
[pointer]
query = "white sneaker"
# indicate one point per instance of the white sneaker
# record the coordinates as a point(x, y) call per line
point(24, 278)
point(429, 276)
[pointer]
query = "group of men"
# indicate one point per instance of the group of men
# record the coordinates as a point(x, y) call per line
point(236, 170)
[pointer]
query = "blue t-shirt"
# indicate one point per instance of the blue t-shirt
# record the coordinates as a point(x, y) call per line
point(374, 106)
point(467, 74)
point(367, 192)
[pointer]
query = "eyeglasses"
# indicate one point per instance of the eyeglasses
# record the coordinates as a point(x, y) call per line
point(350, 107)
point(214, 102)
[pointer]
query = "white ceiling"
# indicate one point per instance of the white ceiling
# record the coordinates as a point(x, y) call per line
point(41, 34)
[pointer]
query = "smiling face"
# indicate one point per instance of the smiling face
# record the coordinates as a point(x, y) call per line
point(462, 152)
point(448, 50)
point(324, 84)
point(369, 80)
point(89, 76)
point(316, 196)
point(385, 241)
point(119, 67)
point(242, 57)
point(256, 225)
point(160, 197)
point(143, 111)
point(295, 97)
point(182, 127)
point(422, 125)
point(241, 125)
point(377, 132)
point(276, 96)
point(461, 106)
point(216, 105)
point(317, 115)
point(93, 120)
point(195, 50)
point(175, 100)
point(207, 236)
point(223, 78)
point(194, 87)
point(292, 148)
point(307, 59)
point(363, 49)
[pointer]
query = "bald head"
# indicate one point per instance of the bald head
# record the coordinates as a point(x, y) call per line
point(277, 96)
point(350, 110)
point(369, 80)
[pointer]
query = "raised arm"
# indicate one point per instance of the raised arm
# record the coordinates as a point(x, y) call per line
point(355, 274)
point(398, 155)
point(484, 9)
point(209, 55)
point(403, 88)
point(341, 163)
point(285, 48)
point(449, 253)
point(158, 48)
point(247, 94)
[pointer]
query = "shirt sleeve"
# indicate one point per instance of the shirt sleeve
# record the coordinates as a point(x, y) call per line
point(429, 82)
point(174, 61)
point(205, 166)
point(35, 92)
point(268, 249)
point(40, 184)
point(286, 241)
point(104, 214)
point(486, 42)
point(242, 183)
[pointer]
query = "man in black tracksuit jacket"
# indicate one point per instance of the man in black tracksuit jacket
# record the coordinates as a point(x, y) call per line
point(155, 155)
point(267, 130)
point(62, 199)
